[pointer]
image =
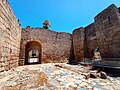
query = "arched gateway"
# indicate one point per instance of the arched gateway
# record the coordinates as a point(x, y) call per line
point(33, 53)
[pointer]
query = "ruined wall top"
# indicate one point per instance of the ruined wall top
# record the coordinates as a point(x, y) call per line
point(119, 9)
point(112, 8)
point(10, 12)
point(90, 30)
point(78, 29)
point(42, 29)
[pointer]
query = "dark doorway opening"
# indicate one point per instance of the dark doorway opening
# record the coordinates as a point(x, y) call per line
point(33, 53)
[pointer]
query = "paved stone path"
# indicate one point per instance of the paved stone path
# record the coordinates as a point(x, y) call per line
point(51, 77)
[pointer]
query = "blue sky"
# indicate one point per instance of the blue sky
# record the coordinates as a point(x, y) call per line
point(64, 15)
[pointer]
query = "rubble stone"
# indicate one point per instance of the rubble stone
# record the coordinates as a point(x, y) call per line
point(103, 75)
point(46, 76)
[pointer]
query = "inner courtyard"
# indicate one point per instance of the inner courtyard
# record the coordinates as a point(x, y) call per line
point(38, 58)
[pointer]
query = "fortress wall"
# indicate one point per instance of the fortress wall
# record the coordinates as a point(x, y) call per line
point(78, 43)
point(107, 25)
point(104, 33)
point(90, 42)
point(10, 35)
point(55, 46)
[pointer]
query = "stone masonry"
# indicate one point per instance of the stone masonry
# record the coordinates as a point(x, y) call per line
point(10, 35)
point(55, 46)
point(90, 40)
point(15, 43)
point(103, 33)
point(107, 25)
point(78, 43)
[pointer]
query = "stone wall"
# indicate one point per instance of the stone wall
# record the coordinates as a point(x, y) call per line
point(103, 33)
point(90, 40)
point(58, 47)
point(55, 46)
point(107, 25)
point(10, 35)
point(78, 43)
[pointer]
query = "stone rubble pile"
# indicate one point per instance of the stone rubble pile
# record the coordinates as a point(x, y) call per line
point(55, 77)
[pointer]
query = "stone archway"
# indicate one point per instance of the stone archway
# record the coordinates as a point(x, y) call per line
point(33, 53)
